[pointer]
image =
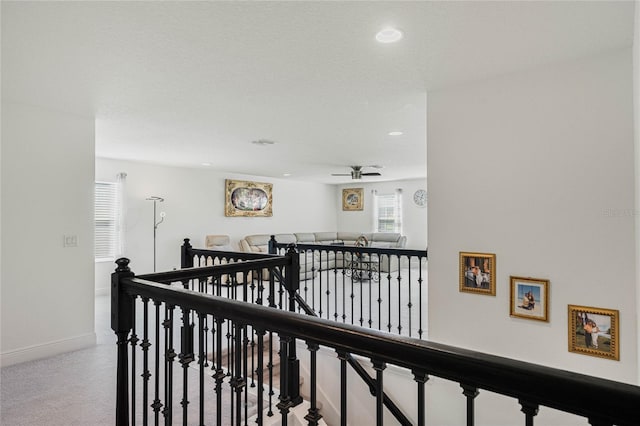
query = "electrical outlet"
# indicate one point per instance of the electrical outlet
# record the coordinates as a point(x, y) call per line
point(70, 241)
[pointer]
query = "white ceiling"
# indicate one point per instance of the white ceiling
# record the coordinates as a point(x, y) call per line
point(182, 83)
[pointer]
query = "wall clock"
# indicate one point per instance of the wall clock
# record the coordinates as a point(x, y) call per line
point(420, 197)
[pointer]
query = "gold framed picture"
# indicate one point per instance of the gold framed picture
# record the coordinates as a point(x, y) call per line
point(594, 331)
point(478, 273)
point(529, 298)
point(352, 199)
point(246, 198)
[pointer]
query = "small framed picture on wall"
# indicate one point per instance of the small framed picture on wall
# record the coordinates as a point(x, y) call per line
point(478, 273)
point(529, 298)
point(352, 199)
point(594, 331)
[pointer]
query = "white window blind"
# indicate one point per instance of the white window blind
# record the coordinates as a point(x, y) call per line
point(388, 212)
point(105, 214)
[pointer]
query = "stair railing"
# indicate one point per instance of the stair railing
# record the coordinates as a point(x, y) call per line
point(617, 403)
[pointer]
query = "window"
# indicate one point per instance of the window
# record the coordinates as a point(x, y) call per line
point(105, 214)
point(387, 212)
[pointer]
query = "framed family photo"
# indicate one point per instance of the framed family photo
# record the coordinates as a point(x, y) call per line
point(478, 273)
point(352, 199)
point(529, 298)
point(594, 331)
point(247, 198)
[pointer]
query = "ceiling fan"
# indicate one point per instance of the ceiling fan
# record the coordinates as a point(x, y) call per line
point(356, 172)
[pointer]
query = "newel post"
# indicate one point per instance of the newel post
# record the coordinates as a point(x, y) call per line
point(186, 257)
point(121, 324)
point(292, 284)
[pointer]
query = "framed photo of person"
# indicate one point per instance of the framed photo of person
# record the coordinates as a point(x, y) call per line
point(478, 273)
point(594, 331)
point(529, 298)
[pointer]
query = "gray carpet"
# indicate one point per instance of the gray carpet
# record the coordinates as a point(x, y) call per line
point(76, 388)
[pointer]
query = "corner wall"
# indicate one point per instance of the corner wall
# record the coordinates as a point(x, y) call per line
point(47, 192)
point(194, 206)
point(536, 167)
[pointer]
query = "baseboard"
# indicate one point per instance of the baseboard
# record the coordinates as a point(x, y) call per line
point(47, 350)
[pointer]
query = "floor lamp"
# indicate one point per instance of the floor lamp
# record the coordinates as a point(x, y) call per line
point(155, 224)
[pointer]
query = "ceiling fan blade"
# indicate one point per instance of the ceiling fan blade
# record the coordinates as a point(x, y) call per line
point(371, 174)
point(340, 174)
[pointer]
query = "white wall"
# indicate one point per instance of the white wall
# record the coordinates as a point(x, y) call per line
point(194, 206)
point(414, 218)
point(47, 192)
point(536, 167)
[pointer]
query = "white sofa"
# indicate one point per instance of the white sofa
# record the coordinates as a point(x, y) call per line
point(310, 263)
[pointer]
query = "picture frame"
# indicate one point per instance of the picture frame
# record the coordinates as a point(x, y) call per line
point(478, 273)
point(529, 298)
point(601, 340)
point(248, 198)
point(352, 199)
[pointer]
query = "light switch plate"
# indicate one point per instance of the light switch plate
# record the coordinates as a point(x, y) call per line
point(70, 241)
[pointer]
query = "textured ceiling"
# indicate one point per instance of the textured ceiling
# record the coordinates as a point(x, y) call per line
point(183, 83)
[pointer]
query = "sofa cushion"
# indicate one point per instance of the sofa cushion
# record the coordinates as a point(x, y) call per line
point(381, 244)
point(350, 237)
point(391, 237)
point(305, 237)
point(326, 237)
point(258, 239)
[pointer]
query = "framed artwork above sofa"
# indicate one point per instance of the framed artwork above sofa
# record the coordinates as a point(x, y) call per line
point(246, 198)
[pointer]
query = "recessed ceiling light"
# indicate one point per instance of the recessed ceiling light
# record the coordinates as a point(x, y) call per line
point(389, 35)
point(263, 142)
point(286, 174)
point(395, 133)
point(206, 164)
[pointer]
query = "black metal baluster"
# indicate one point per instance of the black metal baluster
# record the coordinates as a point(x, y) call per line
point(145, 360)
point(361, 297)
point(530, 410)
point(379, 367)
point(245, 371)
point(389, 291)
point(270, 367)
point(157, 405)
point(134, 341)
point(320, 291)
point(420, 330)
point(421, 378)
point(380, 304)
point(285, 401)
point(186, 357)
point(344, 288)
point(328, 292)
point(170, 355)
point(352, 296)
point(253, 357)
point(470, 392)
point(409, 304)
point(237, 379)
point(219, 374)
point(399, 295)
point(260, 374)
point(335, 285)
point(202, 355)
point(313, 416)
